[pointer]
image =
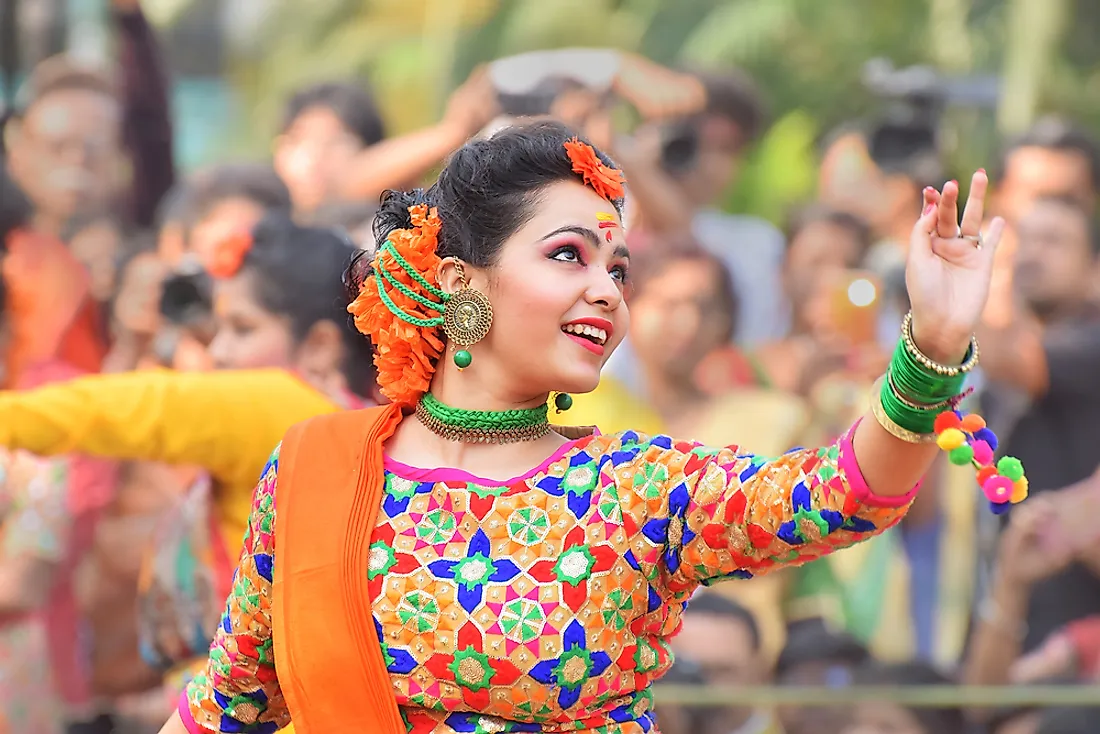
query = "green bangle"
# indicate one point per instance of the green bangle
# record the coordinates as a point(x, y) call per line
point(916, 421)
point(914, 393)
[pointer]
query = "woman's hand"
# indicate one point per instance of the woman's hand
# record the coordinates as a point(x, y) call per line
point(949, 269)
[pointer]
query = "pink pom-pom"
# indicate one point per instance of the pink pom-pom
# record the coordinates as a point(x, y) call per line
point(983, 452)
point(998, 489)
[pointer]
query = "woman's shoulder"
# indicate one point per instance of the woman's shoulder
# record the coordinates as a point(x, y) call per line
point(634, 443)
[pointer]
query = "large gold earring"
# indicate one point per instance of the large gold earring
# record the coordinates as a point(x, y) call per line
point(466, 319)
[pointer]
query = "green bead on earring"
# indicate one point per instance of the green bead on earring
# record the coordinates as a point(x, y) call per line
point(563, 402)
point(462, 359)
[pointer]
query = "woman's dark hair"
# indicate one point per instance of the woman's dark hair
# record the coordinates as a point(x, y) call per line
point(806, 216)
point(15, 208)
point(488, 190)
point(15, 211)
point(934, 721)
point(255, 182)
point(816, 640)
point(353, 105)
point(297, 272)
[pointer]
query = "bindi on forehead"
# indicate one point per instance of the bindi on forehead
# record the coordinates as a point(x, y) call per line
point(607, 222)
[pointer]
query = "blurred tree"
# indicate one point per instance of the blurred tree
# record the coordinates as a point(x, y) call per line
point(806, 55)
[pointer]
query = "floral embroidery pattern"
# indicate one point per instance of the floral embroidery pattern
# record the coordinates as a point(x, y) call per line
point(547, 603)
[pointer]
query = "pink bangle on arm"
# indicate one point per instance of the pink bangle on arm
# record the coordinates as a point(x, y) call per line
point(858, 485)
point(188, 720)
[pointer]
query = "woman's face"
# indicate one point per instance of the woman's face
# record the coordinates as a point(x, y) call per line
point(248, 335)
point(558, 296)
point(820, 245)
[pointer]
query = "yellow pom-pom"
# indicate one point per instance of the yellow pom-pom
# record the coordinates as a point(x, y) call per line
point(951, 439)
point(1019, 490)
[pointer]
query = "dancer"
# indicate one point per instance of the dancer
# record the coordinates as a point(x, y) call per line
point(287, 350)
point(449, 563)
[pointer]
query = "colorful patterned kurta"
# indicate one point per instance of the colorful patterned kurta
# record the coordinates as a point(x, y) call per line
point(546, 603)
point(34, 523)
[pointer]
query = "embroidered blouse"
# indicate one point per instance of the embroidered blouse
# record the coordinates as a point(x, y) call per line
point(563, 585)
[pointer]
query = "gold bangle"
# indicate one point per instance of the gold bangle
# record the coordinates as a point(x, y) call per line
point(929, 363)
point(909, 403)
point(890, 426)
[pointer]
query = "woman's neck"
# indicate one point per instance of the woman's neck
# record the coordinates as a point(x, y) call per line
point(479, 388)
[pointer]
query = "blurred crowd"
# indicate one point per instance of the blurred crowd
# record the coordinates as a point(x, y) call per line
point(134, 295)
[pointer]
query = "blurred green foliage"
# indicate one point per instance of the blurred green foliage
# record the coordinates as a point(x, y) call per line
point(806, 55)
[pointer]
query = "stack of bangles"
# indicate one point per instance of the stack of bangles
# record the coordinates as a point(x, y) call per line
point(917, 401)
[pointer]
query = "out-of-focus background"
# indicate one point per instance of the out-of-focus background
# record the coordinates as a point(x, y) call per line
point(776, 152)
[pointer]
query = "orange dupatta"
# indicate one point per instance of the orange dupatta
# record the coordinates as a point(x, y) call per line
point(327, 656)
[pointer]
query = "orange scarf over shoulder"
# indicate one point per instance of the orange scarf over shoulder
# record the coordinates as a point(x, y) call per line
point(327, 655)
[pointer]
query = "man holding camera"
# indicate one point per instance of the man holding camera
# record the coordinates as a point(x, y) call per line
point(680, 170)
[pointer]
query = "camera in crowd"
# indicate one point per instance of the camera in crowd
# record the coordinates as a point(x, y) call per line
point(187, 297)
point(906, 137)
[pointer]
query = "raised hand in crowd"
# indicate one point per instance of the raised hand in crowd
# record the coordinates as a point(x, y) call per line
point(401, 162)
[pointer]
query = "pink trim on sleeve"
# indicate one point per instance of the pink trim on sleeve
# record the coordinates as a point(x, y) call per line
point(189, 723)
point(858, 485)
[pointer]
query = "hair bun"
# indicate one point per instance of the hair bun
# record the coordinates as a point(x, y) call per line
point(393, 212)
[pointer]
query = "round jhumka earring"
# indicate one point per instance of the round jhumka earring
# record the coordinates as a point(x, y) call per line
point(467, 318)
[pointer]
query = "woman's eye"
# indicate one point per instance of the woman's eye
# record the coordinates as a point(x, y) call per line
point(620, 273)
point(566, 255)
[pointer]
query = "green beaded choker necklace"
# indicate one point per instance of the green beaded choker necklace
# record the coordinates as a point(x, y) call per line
point(482, 426)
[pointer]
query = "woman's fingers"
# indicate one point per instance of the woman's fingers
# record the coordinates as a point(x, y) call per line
point(993, 234)
point(974, 213)
point(964, 251)
point(920, 240)
point(947, 223)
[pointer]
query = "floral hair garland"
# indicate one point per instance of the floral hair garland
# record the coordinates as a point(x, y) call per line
point(395, 306)
point(404, 353)
point(228, 255)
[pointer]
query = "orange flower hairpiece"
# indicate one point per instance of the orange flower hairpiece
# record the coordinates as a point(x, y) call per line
point(604, 180)
point(228, 255)
point(405, 353)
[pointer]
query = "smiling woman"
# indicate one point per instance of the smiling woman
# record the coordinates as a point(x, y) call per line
point(471, 568)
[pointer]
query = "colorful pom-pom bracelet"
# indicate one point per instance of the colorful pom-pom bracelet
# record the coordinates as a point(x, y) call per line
point(967, 440)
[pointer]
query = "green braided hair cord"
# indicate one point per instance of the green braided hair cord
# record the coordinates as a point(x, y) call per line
point(383, 276)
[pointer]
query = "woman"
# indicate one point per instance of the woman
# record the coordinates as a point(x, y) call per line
point(287, 352)
point(48, 511)
point(456, 579)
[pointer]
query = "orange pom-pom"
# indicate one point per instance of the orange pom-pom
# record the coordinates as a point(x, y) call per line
point(985, 473)
point(945, 421)
point(972, 423)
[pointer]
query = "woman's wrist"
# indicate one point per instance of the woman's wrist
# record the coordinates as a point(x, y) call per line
point(942, 345)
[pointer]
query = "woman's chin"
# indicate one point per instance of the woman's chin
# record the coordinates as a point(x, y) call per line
point(578, 380)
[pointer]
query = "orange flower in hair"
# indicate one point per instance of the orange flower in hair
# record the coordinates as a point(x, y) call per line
point(405, 353)
point(604, 180)
point(228, 255)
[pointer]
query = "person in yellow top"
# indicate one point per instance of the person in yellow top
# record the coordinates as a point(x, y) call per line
point(285, 352)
